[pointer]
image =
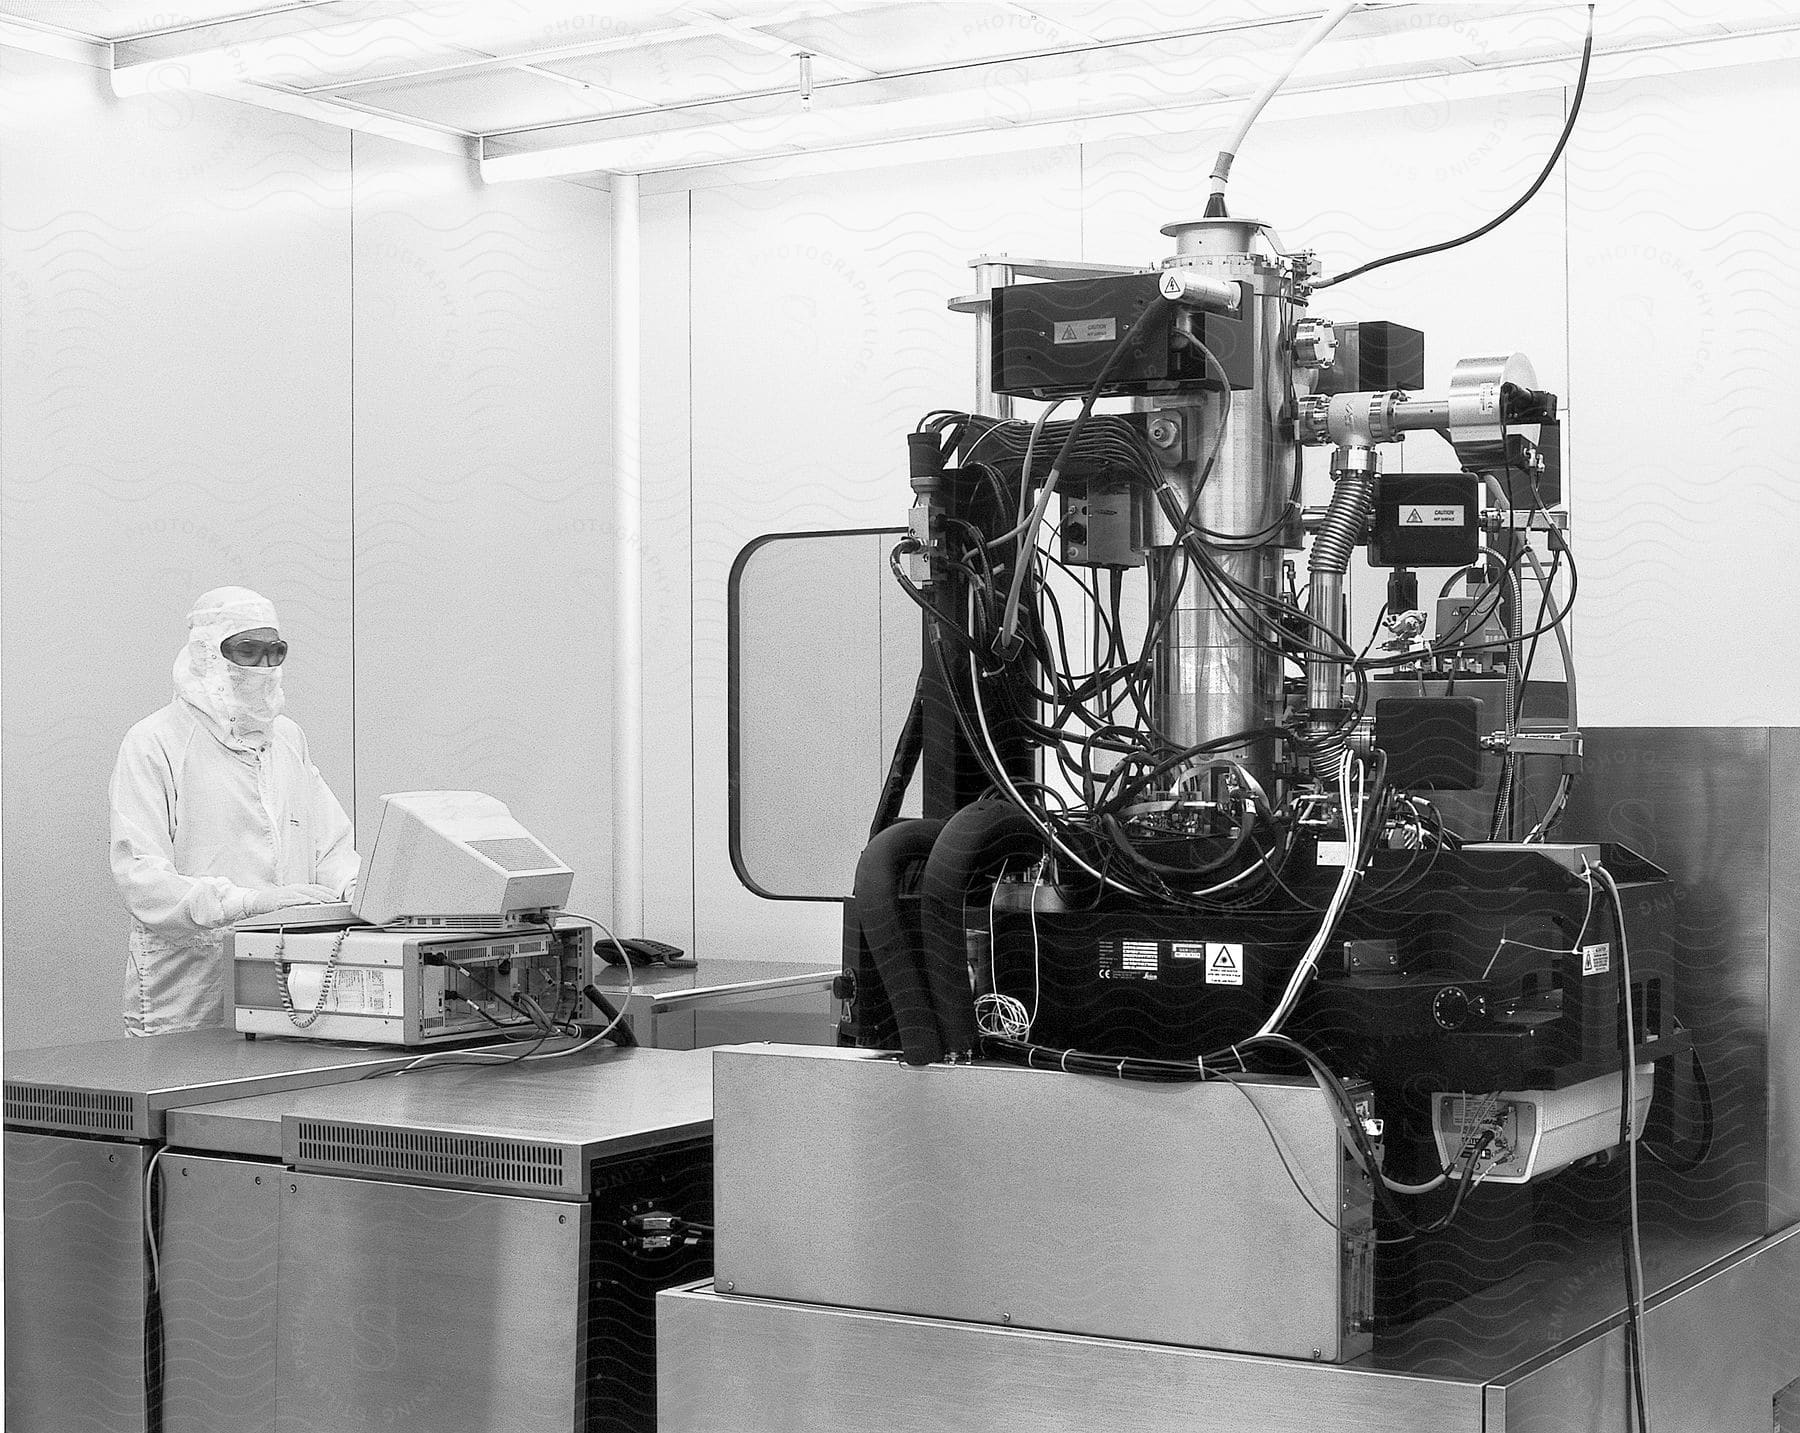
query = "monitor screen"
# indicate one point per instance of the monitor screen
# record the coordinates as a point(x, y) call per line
point(456, 859)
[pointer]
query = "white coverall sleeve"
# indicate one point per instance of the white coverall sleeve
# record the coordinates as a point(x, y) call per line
point(143, 851)
point(335, 862)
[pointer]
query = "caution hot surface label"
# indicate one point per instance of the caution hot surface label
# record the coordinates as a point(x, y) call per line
point(1431, 515)
point(1087, 330)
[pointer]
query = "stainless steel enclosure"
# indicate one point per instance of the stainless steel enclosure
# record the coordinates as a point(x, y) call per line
point(995, 1194)
point(221, 1231)
point(441, 1309)
point(75, 1277)
point(1721, 1349)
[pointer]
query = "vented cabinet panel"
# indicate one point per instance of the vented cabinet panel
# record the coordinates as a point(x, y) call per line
point(82, 1111)
point(463, 1159)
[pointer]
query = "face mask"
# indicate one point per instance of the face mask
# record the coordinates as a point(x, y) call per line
point(255, 700)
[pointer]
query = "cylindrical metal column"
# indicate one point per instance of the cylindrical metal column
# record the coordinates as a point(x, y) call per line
point(988, 277)
point(1209, 679)
point(1215, 671)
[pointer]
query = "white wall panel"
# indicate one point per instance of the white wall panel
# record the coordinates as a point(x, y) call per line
point(1684, 304)
point(668, 725)
point(174, 415)
point(482, 502)
point(820, 338)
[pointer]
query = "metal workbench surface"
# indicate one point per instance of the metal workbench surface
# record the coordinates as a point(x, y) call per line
point(538, 1126)
point(124, 1087)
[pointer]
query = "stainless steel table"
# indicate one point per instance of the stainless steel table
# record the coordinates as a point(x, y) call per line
point(728, 1002)
point(442, 1249)
point(82, 1123)
point(428, 1227)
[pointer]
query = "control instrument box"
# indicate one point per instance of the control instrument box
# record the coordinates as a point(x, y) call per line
point(1518, 1135)
point(405, 987)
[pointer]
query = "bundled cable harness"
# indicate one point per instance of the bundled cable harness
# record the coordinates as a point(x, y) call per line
point(1124, 806)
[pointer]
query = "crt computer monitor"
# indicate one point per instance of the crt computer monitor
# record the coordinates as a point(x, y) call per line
point(456, 860)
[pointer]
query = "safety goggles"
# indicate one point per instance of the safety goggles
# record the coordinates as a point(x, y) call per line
point(254, 651)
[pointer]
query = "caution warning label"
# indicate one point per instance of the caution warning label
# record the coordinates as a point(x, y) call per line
point(1224, 963)
point(1087, 330)
point(1596, 959)
point(1445, 515)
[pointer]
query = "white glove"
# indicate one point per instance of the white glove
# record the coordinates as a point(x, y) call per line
point(273, 898)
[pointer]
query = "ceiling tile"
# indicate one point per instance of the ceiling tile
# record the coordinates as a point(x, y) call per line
point(528, 27)
point(916, 36)
point(359, 50)
point(488, 100)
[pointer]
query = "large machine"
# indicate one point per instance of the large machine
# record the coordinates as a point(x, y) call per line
point(1236, 991)
point(1238, 834)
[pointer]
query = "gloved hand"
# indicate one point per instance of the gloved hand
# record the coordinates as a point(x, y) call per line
point(273, 898)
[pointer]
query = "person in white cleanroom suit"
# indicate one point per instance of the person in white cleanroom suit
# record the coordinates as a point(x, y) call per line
point(217, 814)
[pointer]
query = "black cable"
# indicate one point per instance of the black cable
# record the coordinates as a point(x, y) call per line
point(154, 1345)
point(545, 1023)
point(1363, 1149)
point(1548, 585)
point(1686, 1164)
point(911, 589)
point(1587, 54)
point(908, 747)
point(1275, 1140)
point(622, 1034)
point(430, 1060)
point(1634, 1354)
